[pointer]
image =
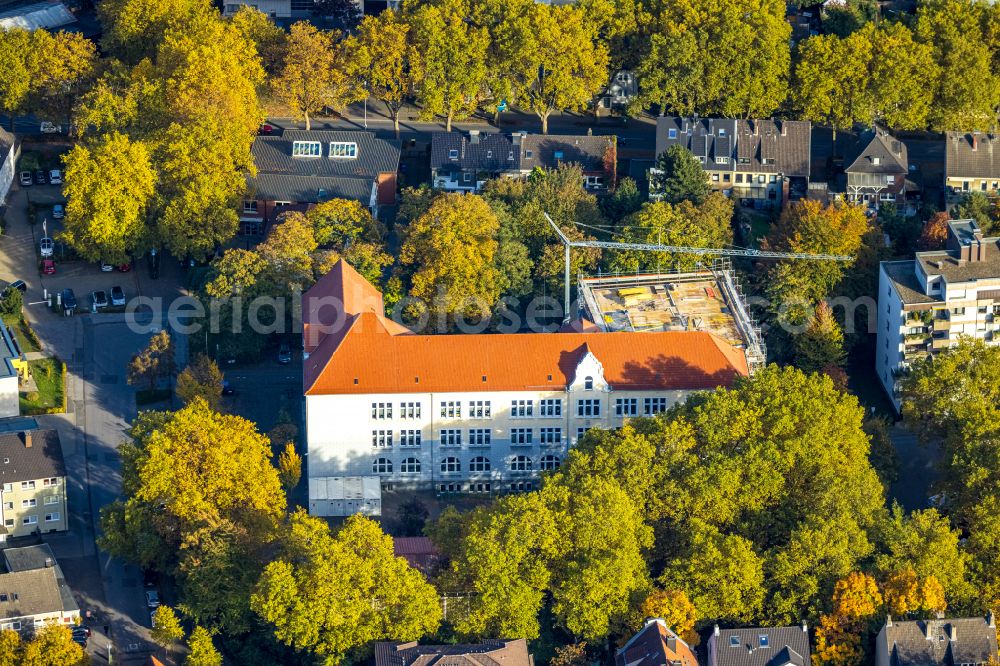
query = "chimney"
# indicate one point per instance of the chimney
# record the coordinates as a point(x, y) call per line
point(473, 136)
point(784, 128)
point(27, 439)
point(49, 563)
point(672, 643)
point(715, 630)
point(975, 142)
point(990, 620)
point(939, 615)
point(805, 626)
point(888, 620)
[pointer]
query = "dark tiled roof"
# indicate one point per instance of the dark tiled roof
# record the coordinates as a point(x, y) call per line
point(551, 150)
point(29, 558)
point(878, 152)
point(758, 146)
point(761, 646)
point(492, 152)
point(36, 591)
point(273, 155)
point(972, 155)
point(43, 459)
point(655, 645)
point(903, 278)
point(488, 653)
point(948, 642)
point(948, 264)
point(308, 189)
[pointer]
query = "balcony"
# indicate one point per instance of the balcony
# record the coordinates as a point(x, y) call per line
point(942, 325)
point(937, 344)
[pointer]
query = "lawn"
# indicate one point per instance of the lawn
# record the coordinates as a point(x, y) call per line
point(26, 339)
point(50, 398)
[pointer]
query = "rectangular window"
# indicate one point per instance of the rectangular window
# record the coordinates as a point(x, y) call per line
point(343, 150)
point(249, 206)
point(522, 408)
point(452, 154)
point(479, 409)
point(30, 520)
point(8, 506)
point(409, 438)
point(479, 436)
point(451, 409)
point(722, 132)
point(580, 432)
point(7, 487)
point(626, 406)
point(550, 436)
point(550, 407)
point(726, 178)
point(52, 517)
point(739, 178)
point(721, 160)
point(760, 178)
point(715, 177)
point(27, 485)
point(588, 407)
point(671, 133)
point(409, 410)
point(54, 481)
point(954, 311)
point(521, 436)
point(28, 503)
point(654, 405)
point(306, 149)
point(381, 439)
point(594, 181)
point(381, 410)
point(451, 437)
point(9, 522)
point(773, 179)
point(51, 499)
point(890, 180)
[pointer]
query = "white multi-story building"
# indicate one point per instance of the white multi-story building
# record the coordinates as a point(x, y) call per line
point(477, 413)
point(927, 303)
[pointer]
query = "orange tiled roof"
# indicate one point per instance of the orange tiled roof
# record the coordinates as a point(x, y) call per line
point(369, 353)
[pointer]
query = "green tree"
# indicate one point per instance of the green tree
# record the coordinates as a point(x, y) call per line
point(53, 645)
point(384, 61)
point(154, 363)
point(678, 177)
point(830, 85)
point(202, 650)
point(201, 379)
point(268, 38)
point(340, 222)
point(314, 74)
point(106, 217)
point(287, 254)
point(65, 63)
point(167, 628)
point(979, 207)
point(328, 593)
point(18, 72)
point(821, 345)
point(453, 249)
point(451, 73)
point(134, 28)
point(289, 466)
point(625, 200)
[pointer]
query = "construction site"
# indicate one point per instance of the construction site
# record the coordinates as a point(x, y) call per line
point(706, 300)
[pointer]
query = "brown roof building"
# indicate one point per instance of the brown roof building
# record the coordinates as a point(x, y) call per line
point(494, 652)
point(655, 645)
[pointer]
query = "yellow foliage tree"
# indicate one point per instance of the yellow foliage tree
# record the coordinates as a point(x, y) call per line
point(837, 644)
point(675, 608)
point(856, 598)
point(902, 592)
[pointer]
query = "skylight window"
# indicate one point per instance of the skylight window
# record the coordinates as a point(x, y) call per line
point(343, 150)
point(306, 149)
point(453, 154)
point(763, 640)
point(671, 133)
point(734, 641)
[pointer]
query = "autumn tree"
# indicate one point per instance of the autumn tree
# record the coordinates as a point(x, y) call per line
point(934, 234)
point(17, 74)
point(338, 223)
point(167, 628)
point(678, 176)
point(314, 74)
point(106, 217)
point(821, 345)
point(674, 608)
point(452, 249)
point(53, 645)
point(268, 38)
point(318, 593)
point(201, 649)
point(289, 466)
point(65, 64)
point(10, 644)
point(201, 379)
point(154, 363)
point(384, 61)
point(133, 29)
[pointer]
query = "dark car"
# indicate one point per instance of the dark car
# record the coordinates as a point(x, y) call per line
point(81, 630)
point(40, 177)
point(68, 300)
point(100, 299)
point(284, 353)
point(19, 285)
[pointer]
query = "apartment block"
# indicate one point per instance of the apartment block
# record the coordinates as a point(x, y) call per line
point(928, 303)
point(32, 484)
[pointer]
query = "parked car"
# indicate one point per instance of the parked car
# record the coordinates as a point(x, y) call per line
point(227, 388)
point(39, 177)
point(124, 268)
point(48, 267)
point(49, 128)
point(81, 640)
point(152, 598)
point(26, 180)
point(46, 247)
point(100, 299)
point(284, 353)
point(19, 285)
point(55, 177)
point(68, 300)
point(81, 630)
point(106, 267)
point(58, 211)
point(266, 129)
point(117, 296)
point(152, 618)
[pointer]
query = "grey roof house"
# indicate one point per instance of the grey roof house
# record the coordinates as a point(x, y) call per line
point(463, 163)
point(971, 162)
point(763, 161)
point(759, 646)
point(968, 641)
point(878, 169)
point(34, 592)
point(492, 652)
point(309, 167)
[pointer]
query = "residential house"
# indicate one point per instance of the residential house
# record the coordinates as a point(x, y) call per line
point(763, 163)
point(491, 651)
point(477, 412)
point(971, 163)
point(465, 163)
point(303, 168)
point(13, 371)
point(47, 15)
point(655, 645)
point(622, 89)
point(38, 558)
point(276, 9)
point(31, 599)
point(32, 483)
point(759, 646)
point(878, 171)
point(965, 641)
point(927, 303)
point(10, 149)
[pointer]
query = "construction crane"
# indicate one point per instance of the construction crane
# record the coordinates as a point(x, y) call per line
point(680, 249)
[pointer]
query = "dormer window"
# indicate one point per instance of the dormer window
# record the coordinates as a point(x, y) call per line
point(588, 384)
point(876, 160)
point(528, 154)
point(722, 159)
point(343, 150)
point(722, 132)
point(306, 149)
point(453, 154)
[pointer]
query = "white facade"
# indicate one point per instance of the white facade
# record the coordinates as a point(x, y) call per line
point(273, 8)
point(467, 441)
point(9, 405)
point(8, 167)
